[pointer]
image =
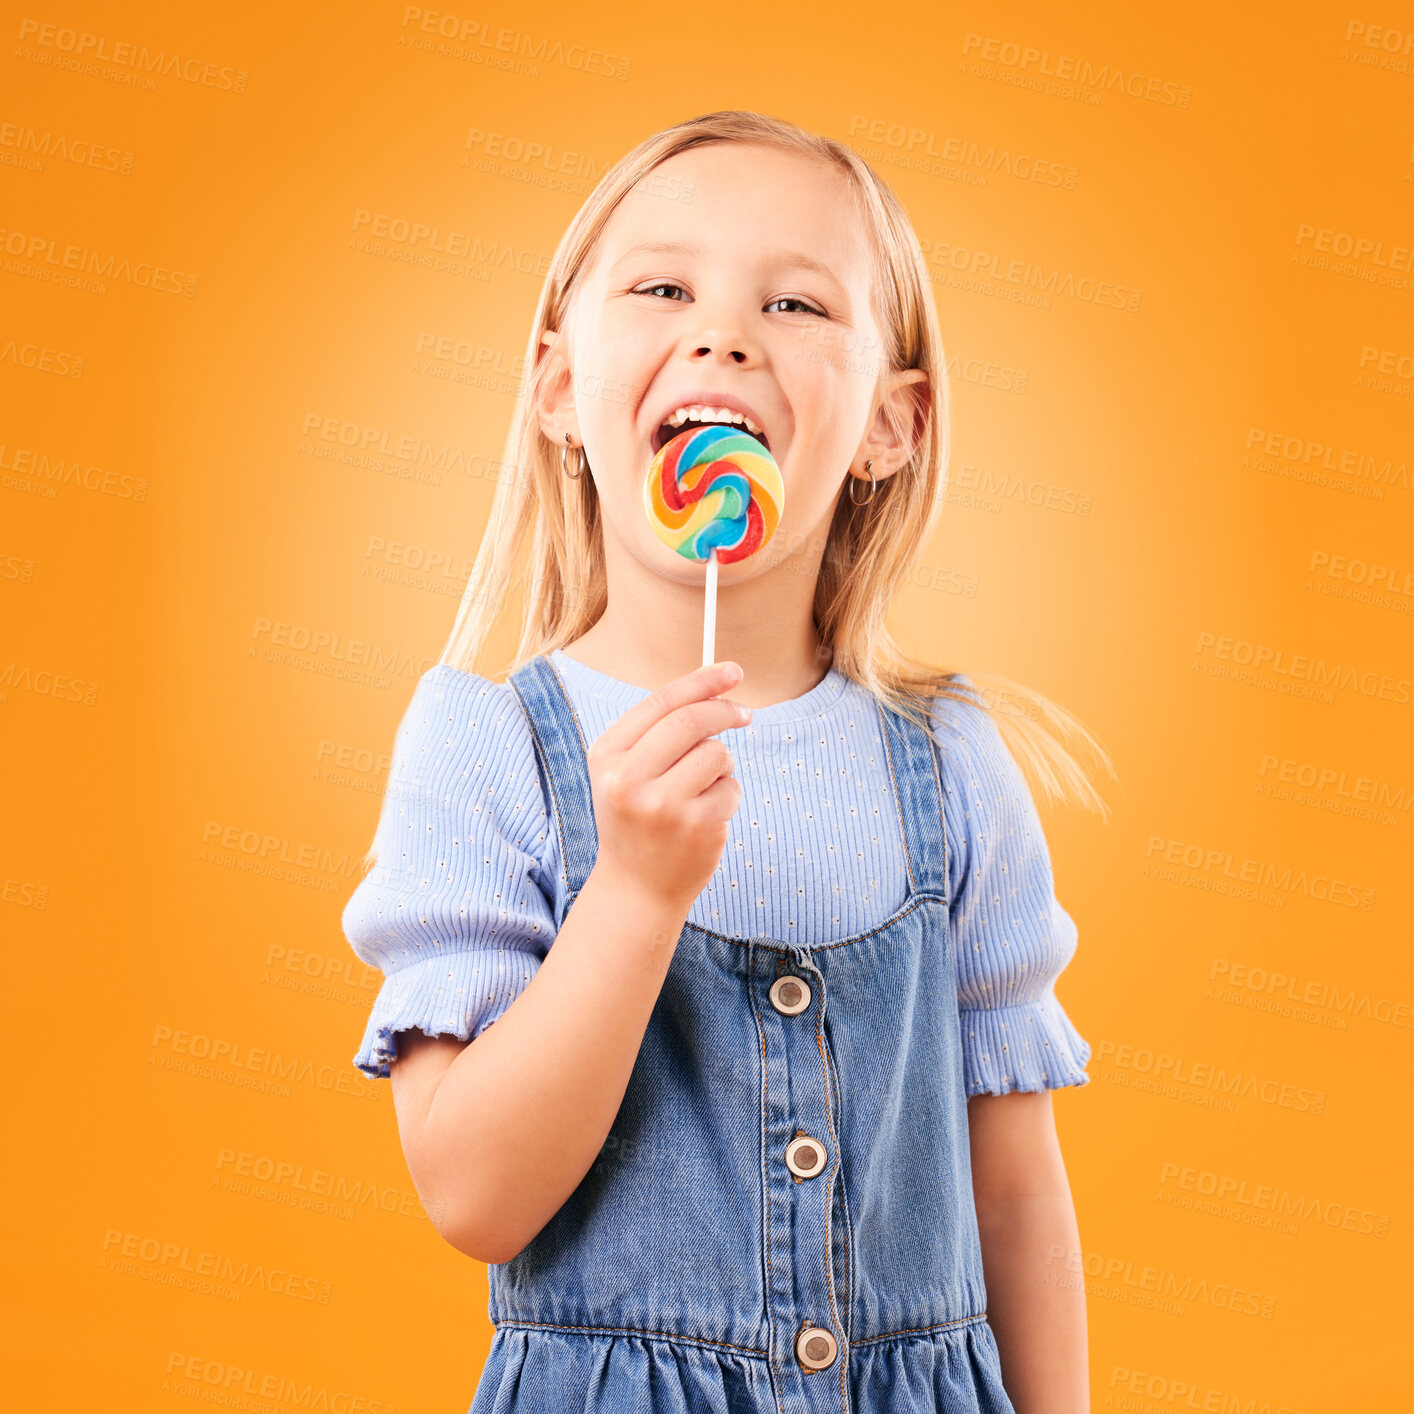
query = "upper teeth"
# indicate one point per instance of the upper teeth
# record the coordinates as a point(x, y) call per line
point(701, 412)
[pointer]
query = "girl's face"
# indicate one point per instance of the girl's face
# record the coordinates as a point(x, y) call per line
point(733, 269)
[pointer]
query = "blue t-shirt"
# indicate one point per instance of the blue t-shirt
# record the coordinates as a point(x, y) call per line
point(457, 912)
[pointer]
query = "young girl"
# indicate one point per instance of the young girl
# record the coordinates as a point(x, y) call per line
point(719, 1003)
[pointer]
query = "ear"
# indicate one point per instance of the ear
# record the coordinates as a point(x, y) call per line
point(899, 422)
point(554, 385)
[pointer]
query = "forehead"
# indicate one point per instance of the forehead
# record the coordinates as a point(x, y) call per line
point(743, 201)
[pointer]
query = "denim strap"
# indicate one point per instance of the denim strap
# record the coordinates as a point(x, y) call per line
point(562, 759)
point(913, 764)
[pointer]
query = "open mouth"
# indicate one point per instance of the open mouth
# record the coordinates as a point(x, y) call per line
point(669, 430)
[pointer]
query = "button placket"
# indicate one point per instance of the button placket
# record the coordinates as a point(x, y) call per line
point(800, 1098)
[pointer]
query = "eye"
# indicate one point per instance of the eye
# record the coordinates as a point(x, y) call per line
point(804, 304)
point(661, 285)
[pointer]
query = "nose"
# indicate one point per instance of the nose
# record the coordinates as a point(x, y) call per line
point(722, 349)
point(720, 338)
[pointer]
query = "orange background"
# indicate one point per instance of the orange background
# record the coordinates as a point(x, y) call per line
point(195, 582)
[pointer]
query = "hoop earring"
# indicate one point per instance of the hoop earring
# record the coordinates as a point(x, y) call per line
point(564, 462)
point(872, 486)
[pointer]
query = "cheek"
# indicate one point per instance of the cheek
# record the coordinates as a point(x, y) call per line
point(825, 423)
point(610, 380)
point(827, 392)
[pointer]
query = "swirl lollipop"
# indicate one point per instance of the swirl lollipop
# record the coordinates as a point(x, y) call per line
point(714, 493)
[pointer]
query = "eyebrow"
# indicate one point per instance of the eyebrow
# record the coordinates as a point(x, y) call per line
point(784, 257)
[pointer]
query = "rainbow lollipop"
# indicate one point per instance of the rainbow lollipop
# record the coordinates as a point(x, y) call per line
point(714, 493)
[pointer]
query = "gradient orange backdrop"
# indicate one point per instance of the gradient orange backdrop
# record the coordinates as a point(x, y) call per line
point(1172, 258)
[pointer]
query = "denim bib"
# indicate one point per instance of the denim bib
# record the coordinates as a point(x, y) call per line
point(781, 1217)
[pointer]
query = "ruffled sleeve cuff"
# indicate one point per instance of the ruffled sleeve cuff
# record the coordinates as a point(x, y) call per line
point(1033, 1046)
point(452, 994)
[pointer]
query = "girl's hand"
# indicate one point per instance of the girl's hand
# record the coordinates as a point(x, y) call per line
point(664, 790)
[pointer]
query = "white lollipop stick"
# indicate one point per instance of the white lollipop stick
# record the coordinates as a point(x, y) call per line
point(709, 621)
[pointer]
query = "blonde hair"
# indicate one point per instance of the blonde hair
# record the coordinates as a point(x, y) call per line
point(870, 549)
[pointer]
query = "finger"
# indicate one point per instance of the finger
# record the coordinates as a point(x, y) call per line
point(696, 686)
point(701, 767)
point(672, 739)
point(720, 800)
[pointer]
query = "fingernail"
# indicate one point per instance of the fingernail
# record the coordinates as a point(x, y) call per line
point(734, 673)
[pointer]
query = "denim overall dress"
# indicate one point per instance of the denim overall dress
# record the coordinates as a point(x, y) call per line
point(781, 1218)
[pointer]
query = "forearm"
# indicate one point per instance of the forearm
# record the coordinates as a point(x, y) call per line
point(1036, 1306)
point(518, 1117)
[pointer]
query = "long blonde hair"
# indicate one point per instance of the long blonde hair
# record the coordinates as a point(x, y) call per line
point(870, 549)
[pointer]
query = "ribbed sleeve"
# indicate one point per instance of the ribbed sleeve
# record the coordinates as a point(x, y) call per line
point(1011, 937)
point(455, 913)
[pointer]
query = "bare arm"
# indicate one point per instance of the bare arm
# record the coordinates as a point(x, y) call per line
point(1026, 1216)
point(497, 1133)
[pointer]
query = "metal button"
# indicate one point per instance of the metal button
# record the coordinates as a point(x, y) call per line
point(816, 1348)
point(790, 995)
point(805, 1157)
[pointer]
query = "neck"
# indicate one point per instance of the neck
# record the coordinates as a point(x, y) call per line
point(651, 630)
